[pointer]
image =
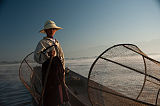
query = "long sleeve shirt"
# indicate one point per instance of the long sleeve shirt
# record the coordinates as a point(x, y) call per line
point(44, 47)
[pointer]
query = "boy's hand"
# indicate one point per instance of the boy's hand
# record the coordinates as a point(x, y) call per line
point(51, 53)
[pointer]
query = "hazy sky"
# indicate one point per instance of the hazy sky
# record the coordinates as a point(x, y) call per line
point(90, 26)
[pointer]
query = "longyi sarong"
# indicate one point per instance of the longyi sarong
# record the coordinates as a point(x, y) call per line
point(55, 89)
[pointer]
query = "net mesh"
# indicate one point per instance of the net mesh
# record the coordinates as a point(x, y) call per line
point(30, 75)
point(124, 75)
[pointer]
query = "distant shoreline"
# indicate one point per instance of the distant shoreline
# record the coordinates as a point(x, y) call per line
point(9, 62)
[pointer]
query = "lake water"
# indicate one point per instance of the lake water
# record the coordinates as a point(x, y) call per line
point(13, 92)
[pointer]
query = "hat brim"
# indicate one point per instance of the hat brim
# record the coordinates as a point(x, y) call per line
point(43, 30)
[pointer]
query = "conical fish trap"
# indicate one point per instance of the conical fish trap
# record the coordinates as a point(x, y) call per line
point(30, 75)
point(123, 75)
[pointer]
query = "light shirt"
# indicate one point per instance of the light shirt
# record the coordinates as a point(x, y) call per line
point(44, 47)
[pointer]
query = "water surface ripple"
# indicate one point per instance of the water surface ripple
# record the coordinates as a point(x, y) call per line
point(12, 91)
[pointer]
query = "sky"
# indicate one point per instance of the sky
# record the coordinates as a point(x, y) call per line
point(90, 26)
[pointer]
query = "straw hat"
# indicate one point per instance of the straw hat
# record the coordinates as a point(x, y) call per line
point(50, 24)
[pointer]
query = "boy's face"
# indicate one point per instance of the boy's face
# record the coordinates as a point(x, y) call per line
point(50, 32)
